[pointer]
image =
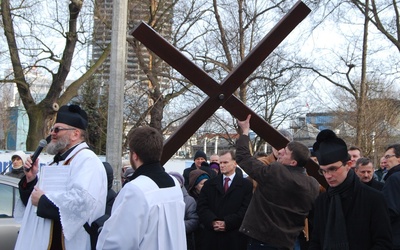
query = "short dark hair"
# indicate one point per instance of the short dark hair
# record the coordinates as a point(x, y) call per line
point(363, 161)
point(300, 152)
point(396, 149)
point(351, 148)
point(233, 154)
point(147, 143)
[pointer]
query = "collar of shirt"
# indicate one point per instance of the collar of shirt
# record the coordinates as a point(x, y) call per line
point(230, 177)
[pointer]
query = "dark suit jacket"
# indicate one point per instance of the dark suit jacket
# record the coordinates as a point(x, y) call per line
point(214, 204)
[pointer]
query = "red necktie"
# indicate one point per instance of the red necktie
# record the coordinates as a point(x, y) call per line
point(226, 184)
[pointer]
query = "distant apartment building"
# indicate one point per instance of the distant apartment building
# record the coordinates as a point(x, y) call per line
point(159, 12)
point(136, 87)
point(306, 128)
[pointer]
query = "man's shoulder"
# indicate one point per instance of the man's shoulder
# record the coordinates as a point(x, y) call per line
point(314, 183)
point(396, 174)
point(322, 198)
point(377, 183)
point(83, 151)
point(239, 177)
point(213, 181)
point(140, 187)
point(247, 183)
point(147, 183)
point(369, 192)
point(393, 180)
point(140, 182)
point(267, 159)
point(192, 167)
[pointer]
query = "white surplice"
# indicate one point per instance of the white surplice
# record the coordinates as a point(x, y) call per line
point(146, 217)
point(83, 200)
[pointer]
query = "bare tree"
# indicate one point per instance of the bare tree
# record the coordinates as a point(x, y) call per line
point(357, 72)
point(29, 47)
point(384, 15)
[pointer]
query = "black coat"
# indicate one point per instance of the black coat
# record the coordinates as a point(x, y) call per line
point(214, 204)
point(391, 192)
point(203, 167)
point(375, 184)
point(366, 216)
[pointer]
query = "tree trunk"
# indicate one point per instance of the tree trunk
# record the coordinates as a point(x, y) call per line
point(40, 121)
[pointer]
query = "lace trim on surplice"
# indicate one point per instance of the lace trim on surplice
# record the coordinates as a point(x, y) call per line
point(75, 208)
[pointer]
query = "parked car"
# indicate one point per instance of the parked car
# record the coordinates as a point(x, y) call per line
point(8, 227)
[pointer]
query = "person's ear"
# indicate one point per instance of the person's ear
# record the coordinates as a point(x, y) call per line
point(134, 156)
point(76, 134)
point(348, 164)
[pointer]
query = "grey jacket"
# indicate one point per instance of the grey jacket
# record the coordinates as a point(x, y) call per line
point(191, 217)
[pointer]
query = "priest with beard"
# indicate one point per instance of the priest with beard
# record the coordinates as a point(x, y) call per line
point(69, 191)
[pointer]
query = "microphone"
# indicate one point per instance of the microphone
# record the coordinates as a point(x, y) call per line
point(42, 144)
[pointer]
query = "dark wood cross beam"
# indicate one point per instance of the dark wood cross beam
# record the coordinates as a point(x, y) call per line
point(222, 94)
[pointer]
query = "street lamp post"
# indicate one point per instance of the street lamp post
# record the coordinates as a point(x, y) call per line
point(373, 134)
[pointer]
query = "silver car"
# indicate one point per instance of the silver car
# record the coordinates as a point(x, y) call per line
point(8, 227)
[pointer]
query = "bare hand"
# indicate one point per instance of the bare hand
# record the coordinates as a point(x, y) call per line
point(245, 125)
point(35, 196)
point(34, 169)
point(219, 225)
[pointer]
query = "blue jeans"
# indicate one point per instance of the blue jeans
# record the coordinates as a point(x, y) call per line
point(258, 245)
point(297, 244)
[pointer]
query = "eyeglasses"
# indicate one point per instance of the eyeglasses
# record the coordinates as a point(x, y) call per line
point(58, 129)
point(330, 170)
point(387, 157)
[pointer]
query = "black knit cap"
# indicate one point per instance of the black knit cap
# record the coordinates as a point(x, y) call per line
point(198, 154)
point(72, 115)
point(329, 148)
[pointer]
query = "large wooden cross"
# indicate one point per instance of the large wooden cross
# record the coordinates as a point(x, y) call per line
point(222, 94)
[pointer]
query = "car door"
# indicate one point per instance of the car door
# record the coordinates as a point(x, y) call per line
point(8, 227)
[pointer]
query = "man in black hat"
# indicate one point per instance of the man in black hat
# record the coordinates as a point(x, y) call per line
point(70, 191)
point(349, 215)
point(200, 162)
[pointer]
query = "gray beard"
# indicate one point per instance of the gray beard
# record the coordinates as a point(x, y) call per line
point(61, 144)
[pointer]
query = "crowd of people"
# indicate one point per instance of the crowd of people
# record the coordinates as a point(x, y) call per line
point(269, 202)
